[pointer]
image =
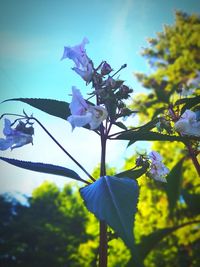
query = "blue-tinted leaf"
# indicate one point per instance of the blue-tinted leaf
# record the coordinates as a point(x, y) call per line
point(114, 200)
point(51, 106)
point(44, 168)
point(149, 242)
point(173, 185)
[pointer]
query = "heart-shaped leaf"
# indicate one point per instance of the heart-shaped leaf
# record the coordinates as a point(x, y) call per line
point(114, 200)
point(44, 168)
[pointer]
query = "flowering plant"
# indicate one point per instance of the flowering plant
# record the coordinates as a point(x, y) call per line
point(112, 199)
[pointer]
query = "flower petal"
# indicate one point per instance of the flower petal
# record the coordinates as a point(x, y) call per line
point(188, 124)
point(21, 139)
point(5, 143)
point(78, 105)
point(79, 120)
point(99, 114)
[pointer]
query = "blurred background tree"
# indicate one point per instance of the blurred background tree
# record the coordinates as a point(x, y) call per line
point(47, 232)
point(174, 61)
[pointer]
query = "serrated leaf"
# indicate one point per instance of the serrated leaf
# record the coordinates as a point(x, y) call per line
point(188, 103)
point(192, 201)
point(132, 173)
point(173, 185)
point(51, 106)
point(140, 135)
point(44, 168)
point(149, 242)
point(114, 200)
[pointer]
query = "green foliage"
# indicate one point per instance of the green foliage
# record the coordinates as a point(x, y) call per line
point(174, 59)
point(174, 184)
point(47, 232)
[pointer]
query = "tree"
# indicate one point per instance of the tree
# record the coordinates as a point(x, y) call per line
point(47, 232)
point(174, 62)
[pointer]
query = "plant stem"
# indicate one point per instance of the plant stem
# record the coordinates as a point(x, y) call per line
point(65, 151)
point(194, 158)
point(103, 243)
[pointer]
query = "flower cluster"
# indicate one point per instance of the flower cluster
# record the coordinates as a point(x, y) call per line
point(109, 92)
point(158, 170)
point(153, 163)
point(17, 137)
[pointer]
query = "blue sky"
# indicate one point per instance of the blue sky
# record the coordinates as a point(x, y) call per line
point(33, 34)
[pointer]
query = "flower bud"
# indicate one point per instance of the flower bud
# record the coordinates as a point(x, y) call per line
point(105, 69)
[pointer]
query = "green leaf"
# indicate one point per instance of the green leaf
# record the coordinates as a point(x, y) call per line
point(44, 168)
point(53, 107)
point(114, 200)
point(142, 135)
point(120, 124)
point(132, 173)
point(188, 102)
point(173, 185)
point(149, 242)
point(192, 201)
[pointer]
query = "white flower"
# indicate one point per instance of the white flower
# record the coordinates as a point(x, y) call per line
point(83, 65)
point(83, 113)
point(158, 170)
point(188, 124)
point(14, 138)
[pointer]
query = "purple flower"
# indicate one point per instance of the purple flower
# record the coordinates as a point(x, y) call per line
point(83, 113)
point(188, 124)
point(15, 137)
point(83, 65)
point(158, 170)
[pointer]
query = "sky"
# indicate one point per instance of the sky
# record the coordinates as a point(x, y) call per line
point(33, 35)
